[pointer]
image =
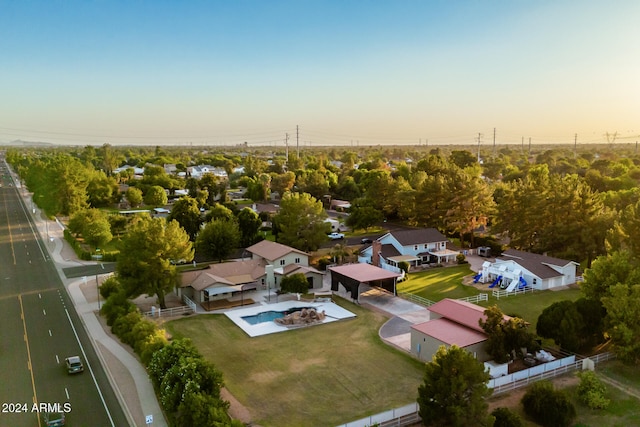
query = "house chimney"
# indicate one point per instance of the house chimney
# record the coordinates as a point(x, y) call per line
point(376, 248)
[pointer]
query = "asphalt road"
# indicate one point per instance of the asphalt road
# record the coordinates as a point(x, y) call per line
point(39, 328)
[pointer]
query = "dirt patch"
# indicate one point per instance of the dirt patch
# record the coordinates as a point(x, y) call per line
point(237, 410)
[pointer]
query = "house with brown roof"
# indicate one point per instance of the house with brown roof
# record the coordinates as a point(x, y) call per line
point(270, 261)
point(452, 322)
point(514, 269)
point(419, 246)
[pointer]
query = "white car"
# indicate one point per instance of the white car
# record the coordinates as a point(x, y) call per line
point(336, 236)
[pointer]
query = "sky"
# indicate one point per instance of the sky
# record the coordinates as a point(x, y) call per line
point(343, 72)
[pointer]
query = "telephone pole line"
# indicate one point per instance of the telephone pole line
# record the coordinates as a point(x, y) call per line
point(479, 141)
point(297, 141)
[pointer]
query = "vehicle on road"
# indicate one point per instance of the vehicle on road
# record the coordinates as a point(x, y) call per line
point(54, 419)
point(366, 240)
point(74, 365)
point(336, 236)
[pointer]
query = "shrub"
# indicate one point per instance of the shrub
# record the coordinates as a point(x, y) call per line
point(109, 287)
point(117, 305)
point(547, 406)
point(591, 391)
point(506, 418)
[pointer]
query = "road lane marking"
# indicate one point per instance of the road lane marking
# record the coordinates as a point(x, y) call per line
point(57, 359)
point(67, 393)
point(90, 368)
point(44, 312)
point(50, 333)
point(26, 338)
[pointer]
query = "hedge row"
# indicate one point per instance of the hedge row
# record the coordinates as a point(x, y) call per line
point(84, 254)
point(187, 386)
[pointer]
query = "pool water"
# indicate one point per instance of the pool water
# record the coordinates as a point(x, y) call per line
point(270, 316)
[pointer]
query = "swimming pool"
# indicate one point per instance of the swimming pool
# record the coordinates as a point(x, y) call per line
point(267, 326)
point(270, 316)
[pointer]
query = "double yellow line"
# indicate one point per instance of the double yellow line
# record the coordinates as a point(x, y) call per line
point(26, 340)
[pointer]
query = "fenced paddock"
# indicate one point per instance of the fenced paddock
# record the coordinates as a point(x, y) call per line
point(409, 414)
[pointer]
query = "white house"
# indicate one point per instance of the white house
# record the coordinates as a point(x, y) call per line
point(514, 269)
point(197, 172)
point(419, 246)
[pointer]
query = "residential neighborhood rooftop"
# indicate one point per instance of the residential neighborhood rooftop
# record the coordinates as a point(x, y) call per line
point(271, 250)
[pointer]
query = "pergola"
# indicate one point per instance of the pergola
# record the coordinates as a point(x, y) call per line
point(351, 275)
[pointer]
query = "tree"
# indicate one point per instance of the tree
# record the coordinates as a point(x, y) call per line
point(133, 196)
point(187, 213)
point(454, 390)
point(219, 211)
point(505, 336)
point(249, 224)
point(155, 196)
point(300, 222)
point(295, 284)
point(506, 418)
point(101, 190)
point(623, 320)
point(218, 239)
point(547, 406)
point(146, 251)
point(93, 225)
point(363, 217)
point(281, 183)
point(608, 271)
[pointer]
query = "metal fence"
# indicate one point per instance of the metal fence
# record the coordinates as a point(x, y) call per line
point(417, 299)
point(168, 312)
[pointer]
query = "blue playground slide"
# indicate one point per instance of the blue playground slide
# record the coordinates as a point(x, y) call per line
point(477, 277)
point(523, 283)
point(495, 282)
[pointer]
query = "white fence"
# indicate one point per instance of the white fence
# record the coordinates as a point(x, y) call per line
point(409, 414)
point(404, 416)
point(477, 298)
point(168, 312)
point(428, 303)
point(504, 293)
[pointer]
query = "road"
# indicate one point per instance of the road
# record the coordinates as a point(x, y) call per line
point(39, 329)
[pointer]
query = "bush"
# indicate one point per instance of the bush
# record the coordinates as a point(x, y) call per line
point(506, 418)
point(461, 259)
point(547, 406)
point(117, 305)
point(109, 287)
point(323, 263)
point(591, 391)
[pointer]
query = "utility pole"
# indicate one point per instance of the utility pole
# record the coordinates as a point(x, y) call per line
point(479, 140)
point(286, 143)
point(529, 145)
point(494, 142)
point(522, 145)
point(575, 146)
point(297, 142)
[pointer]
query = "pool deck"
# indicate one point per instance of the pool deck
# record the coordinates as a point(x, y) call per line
point(332, 311)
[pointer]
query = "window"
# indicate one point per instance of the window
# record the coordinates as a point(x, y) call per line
point(297, 260)
point(535, 280)
point(281, 262)
point(263, 281)
point(415, 247)
point(425, 246)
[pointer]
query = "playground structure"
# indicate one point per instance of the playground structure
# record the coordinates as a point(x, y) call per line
point(501, 276)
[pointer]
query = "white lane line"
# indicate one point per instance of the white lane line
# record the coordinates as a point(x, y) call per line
point(67, 392)
point(50, 333)
point(44, 312)
point(57, 359)
point(90, 369)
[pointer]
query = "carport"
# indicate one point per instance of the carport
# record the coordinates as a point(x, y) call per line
point(351, 275)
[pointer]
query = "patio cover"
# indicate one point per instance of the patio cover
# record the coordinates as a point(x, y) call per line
point(351, 275)
point(407, 258)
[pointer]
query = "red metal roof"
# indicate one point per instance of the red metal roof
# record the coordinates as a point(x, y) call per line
point(461, 312)
point(450, 333)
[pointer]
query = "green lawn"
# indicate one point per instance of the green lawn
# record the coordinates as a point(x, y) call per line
point(322, 375)
point(439, 283)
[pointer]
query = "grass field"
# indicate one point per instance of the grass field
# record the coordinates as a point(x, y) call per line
point(439, 283)
point(323, 375)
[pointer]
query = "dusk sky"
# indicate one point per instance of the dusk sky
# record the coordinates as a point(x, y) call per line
point(373, 72)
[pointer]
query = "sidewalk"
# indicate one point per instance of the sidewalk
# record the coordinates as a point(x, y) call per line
point(126, 374)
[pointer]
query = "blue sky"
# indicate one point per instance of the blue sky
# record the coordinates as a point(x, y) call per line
point(376, 72)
